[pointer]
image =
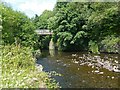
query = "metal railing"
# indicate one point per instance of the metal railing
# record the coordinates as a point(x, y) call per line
point(43, 32)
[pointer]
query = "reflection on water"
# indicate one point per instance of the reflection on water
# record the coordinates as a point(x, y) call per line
point(52, 52)
point(82, 70)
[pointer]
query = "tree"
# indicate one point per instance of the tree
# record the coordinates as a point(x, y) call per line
point(17, 27)
point(82, 23)
point(41, 21)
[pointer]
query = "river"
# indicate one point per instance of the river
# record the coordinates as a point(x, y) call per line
point(81, 69)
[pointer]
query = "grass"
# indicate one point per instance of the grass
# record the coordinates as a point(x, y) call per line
point(19, 71)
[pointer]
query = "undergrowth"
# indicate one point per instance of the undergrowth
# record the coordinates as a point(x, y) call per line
point(19, 71)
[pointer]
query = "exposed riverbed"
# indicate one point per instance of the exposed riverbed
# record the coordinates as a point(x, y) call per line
point(82, 70)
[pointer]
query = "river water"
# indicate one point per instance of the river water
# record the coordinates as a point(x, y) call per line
point(82, 70)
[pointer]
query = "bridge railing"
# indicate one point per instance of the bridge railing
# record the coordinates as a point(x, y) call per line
point(43, 32)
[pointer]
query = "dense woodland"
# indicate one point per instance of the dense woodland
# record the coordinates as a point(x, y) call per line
point(82, 26)
point(91, 26)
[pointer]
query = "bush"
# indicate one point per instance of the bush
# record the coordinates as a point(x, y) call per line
point(19, 71)
point(93, 47)
point(110, 44)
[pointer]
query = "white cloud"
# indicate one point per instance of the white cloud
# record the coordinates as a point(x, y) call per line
point(31, 7)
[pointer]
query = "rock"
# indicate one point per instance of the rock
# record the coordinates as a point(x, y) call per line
point(58, 60)
point(113, 77)
point(97, 56)
point(64, 64)
point(88, 72)
point(81, 57)
point(100, 72)
point(82, 64)
point(96, 71)
point(39, 67)
point(74, 55)
point(116, 61)
point(92, 66)
point(75, 59)
point(115, 69)
point(76, 62)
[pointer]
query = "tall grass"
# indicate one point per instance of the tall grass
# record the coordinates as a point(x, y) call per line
point(19, 71)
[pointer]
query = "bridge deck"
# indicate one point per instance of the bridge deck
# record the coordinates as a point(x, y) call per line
point(44, 32)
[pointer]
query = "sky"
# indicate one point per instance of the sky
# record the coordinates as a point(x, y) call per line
point(31, 7)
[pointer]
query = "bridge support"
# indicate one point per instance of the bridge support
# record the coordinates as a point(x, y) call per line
point(52, 48)
point(51, 45)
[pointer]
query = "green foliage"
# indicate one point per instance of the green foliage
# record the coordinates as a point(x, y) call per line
point(19, 71)
point(41, 21)
point(44, 42)
point(64, 40)
point(67, 21)
point(18, 65)
point(85, 22)
point(17, 27)
point(93, 47)
point(103, 22)
point(110, 44)
point(75, 24)
point(0, 29)
point(78, 36)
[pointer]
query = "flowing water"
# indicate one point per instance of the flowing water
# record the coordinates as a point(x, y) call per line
point(82, 70)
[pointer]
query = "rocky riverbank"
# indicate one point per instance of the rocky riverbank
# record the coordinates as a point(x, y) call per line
point(110, 63)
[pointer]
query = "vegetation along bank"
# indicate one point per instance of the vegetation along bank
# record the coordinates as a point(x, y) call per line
point(76, 26)
point(18, 66)
point(82, 26)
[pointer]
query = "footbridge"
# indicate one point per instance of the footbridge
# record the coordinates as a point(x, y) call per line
point(43, 32)
point(46, 32)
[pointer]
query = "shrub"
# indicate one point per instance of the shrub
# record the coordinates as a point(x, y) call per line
point(19, 71)
point(110, 44)
point(93, 46)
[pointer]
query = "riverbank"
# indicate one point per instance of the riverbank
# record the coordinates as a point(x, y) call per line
point(19, 69)
point(82, 69)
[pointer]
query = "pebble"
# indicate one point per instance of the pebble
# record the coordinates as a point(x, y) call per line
point(92, 66)
point(75, 59)
point(58, 60)
point(101, 72)
point(116, 61)
point(88, 72)
point(83, 81)
point(82, 64)
point(75, 62)
point(80, 57)
point(74, 55)
point(96, 71)
point(64, 64)
point(113, 77)
point(96, 56)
